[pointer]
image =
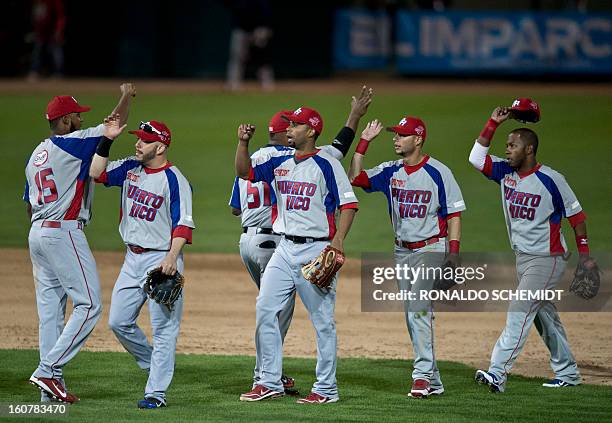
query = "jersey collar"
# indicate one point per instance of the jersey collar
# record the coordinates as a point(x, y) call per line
point(149, 171)
point(529, 172)
point(414, 168)
point(299, 159)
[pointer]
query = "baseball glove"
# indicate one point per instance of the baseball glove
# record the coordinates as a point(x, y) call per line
point(162, 288)
point(449, 266)
point(322, 269)
point(586, 279)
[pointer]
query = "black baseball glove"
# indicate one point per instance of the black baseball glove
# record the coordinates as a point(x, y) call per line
point(586, 278)
point(448, 269)
point(162, 288)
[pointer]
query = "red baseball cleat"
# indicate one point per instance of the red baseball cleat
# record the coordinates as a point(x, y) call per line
point(259, 393)
point(315, 398)
point(54, 388)
point(420, 389)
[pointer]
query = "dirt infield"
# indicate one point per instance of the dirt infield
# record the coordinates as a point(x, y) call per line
point(219, 318)
point(336, 85)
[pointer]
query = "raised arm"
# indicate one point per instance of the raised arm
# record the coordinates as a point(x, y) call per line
point(243, 159)
point(112, 129)
point(481, 146)
point(128, 90)
point(499, 115)
point(370, 132)
point(359, 107)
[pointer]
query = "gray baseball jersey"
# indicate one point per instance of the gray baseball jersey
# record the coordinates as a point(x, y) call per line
point(309, 189)
point(420, 197)
point(155, 203)
point(256, 200)
point(58, 189)
point(58, 185)
point(533, 204)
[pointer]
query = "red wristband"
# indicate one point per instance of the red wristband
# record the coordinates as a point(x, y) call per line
point(362, 147)
point(582, 242)
point(489, 130)
point(453, 246)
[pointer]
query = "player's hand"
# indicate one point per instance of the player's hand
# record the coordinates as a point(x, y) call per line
point(245, 132)
point(500, 114)
point(371, 130)
point(359, 106)
point(128, 89)
point(111, 126)
point(168, 264)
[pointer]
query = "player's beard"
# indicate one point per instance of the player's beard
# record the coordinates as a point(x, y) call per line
point(147, 157)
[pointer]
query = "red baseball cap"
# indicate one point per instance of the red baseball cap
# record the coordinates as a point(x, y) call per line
point(410, 126)
point(153, 131)
point(277, 123)
point(306, 116)
point(63, 105)
point(526, 109)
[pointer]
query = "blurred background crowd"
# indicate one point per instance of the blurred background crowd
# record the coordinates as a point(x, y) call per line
point(232, 40)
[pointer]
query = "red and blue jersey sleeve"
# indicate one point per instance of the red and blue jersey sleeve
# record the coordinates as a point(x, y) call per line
point(565, 202)
point(378, 178)
point(496, 168)
point(180, 205)
point(450, 199)
point(235, 198)
point(116, 172)
point(340, 194)
point(80, 144)
point(263, 169)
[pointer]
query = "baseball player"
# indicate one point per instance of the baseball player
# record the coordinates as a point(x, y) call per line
point(535, 198)
point(425, 205)
point(256, 204)
point(156, 222)
point(58, 195)
point(310, 185)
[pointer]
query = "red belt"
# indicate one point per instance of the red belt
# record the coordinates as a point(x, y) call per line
point(138, 250)
point(57, 225)
point(417, 244)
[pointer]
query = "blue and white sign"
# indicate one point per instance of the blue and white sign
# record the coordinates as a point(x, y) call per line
point(506, 43)
point(362, 39)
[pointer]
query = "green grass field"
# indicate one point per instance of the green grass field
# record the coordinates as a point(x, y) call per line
point(206, 388)
point(574, 139)
point(574, 134)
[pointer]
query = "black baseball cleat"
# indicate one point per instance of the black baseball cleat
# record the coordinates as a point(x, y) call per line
point(288, 382)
